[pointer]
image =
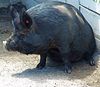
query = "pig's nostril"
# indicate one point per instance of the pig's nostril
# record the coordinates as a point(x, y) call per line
point(10, 45)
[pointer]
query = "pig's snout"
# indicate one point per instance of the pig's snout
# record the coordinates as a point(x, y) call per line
point(10, 45)
point(4, 43)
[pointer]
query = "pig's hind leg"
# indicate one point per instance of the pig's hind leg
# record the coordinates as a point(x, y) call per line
point(89, 54)
point(89, 59)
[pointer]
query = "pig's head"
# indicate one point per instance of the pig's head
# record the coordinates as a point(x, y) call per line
point(24, 39)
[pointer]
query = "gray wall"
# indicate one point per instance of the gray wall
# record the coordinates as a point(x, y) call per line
point(4, 3)
point(28, 3)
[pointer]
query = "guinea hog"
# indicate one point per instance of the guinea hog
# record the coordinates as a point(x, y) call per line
point(54, 29)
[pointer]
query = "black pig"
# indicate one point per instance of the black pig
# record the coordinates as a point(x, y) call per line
point(54, 29)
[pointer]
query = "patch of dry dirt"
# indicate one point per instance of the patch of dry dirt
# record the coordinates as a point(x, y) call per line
point(18, 70)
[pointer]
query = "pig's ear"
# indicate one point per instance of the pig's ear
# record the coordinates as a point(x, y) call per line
point(26, 19)
point(14, 14)
point(13, 11)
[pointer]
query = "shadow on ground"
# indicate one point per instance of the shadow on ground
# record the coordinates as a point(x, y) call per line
point(80, 70)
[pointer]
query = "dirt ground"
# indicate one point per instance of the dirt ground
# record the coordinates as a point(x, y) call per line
point(18, 70)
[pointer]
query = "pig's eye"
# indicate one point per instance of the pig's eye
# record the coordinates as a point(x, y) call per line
point(26, 20)
point(27, 23)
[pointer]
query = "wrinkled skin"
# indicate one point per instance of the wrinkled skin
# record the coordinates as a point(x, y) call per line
point(53, 29)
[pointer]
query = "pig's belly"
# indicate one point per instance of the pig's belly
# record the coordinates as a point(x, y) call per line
point(73, 56)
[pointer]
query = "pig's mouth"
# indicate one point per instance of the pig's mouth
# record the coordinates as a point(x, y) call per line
point(22, 47)
point(29, 50)
point(9, 46)
point(25, 49)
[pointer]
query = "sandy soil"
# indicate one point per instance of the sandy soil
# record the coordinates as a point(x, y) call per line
point(18, 70)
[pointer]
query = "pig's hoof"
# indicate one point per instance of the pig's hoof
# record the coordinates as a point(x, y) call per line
point(68, 69)
point(91, 62)
point(40, 66)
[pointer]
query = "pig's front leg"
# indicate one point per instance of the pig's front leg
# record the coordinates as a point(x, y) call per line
point(65, 54)
point(67, 63)
point(42, 62)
